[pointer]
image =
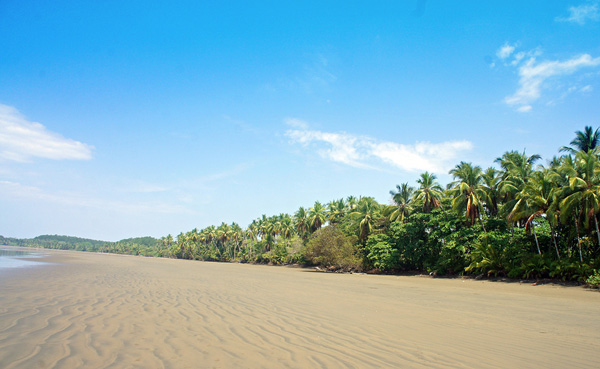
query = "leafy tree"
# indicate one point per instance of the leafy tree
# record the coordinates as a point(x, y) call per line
point(330, 247)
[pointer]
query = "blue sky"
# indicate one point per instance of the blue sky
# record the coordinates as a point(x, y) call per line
point(123, 119)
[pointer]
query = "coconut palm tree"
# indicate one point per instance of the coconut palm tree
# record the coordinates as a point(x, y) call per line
point(317, 216)
point(516, 169)
point(286, 228)
point(429, 192)
point(366, 212)
point(301, 223)
point(584, 187)
point(491, 185)
point(584, 141)
point(351, 203)
point(402, 199)
point(538, 199)
point(468, 192)
point(336, 210)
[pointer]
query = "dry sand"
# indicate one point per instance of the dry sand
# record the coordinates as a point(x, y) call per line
point(109, 311)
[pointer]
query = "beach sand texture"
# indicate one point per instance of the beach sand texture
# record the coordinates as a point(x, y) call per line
point(111, 311)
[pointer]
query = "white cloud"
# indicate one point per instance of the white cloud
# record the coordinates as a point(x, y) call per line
point(21, 140)
point(505, 51)
point(361, 151)
point(296, 123)
point(524, 108)
point(341, 147)
point(587, 88)
point(582, 13)
point(534, 74)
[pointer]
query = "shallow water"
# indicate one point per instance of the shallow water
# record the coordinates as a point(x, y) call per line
point(11, 258)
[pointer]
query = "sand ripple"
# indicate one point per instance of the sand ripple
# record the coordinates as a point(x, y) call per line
point(109, 311)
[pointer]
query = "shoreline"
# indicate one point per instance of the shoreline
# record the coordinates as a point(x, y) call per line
point(533, 282)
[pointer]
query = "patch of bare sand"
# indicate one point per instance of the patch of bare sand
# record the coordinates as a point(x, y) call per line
point(111, 311)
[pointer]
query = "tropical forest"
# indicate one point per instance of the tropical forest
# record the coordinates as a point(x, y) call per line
point(520, 218)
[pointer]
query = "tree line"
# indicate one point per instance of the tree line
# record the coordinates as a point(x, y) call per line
point(519, 219)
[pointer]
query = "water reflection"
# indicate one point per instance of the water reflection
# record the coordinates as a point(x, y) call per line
point(11, 258)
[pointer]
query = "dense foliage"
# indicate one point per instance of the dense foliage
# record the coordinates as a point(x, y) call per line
point(520, 219)
point(147, 246)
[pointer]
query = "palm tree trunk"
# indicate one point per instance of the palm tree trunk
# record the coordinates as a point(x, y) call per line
point(481, 221)
point(536, 239)
point(554, 240)
point(597, 231)
point(578, 240)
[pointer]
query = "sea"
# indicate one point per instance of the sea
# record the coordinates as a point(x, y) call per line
point(11, 258)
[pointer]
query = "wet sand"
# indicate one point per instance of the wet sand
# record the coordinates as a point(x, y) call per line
point(110, 311)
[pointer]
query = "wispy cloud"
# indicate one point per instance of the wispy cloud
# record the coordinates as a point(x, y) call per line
point(365, 152)
point(534, 75)
point(581, 14)
point(21, 140)
point(505, 50)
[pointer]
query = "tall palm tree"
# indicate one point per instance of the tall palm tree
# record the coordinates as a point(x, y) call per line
point(402, 199)
point(317, 216)
point(468, 192)
point(429, 192)
point(351, 203)
point(286, 228)
point(538, 199)
point(336, 210)
point(267, 231)
point(585, 141)
point(367, 211)
point(301, 223)
point(516, 169)
point(491, 185)
point(584, 188)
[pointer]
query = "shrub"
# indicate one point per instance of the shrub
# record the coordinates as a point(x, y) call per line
point(594, 280)
point(330, 247)
point(380, 253)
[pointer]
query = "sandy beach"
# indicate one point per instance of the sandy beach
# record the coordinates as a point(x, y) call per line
point(88, 310)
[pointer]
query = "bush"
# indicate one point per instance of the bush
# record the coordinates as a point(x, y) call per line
point(380, 253)
point(594, 280)
point(330, 247)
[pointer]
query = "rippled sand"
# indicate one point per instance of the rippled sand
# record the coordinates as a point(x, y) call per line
point(110, 311)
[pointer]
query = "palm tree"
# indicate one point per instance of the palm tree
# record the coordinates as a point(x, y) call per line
point(468, 192)
point(584, 141)
point(336, 210)
point(316, 216)
point(366, 212)
point(584, 188)
point(491, 185)
point(429, 192)
point(516, 169)
point(301, 222)
point(537, 199)
point(286, 228)
point(351, 203)
point(402, 199)
point(267, 231)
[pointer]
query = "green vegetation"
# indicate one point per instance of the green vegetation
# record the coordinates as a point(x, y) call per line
point(147, 246)
point(523, 220)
